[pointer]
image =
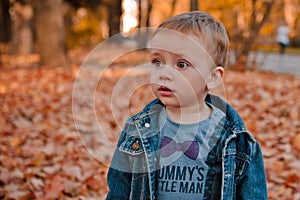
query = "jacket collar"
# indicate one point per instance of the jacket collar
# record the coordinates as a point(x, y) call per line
point(234, 121)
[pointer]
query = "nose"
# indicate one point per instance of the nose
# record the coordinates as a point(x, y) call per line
point(165, 73)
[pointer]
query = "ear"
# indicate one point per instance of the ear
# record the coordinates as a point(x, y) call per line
point(215, 78)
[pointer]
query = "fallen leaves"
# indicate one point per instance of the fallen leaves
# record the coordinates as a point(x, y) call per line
point(43, 156)
point(54, 187)
point(270, 107)
point(296, 142)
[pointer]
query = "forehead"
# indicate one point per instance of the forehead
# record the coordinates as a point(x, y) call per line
point(177, 43)
point(188, 46)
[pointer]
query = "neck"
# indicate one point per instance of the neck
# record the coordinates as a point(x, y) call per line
point(188, 115)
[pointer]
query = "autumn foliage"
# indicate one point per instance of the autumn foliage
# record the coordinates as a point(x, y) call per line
point(43, 155)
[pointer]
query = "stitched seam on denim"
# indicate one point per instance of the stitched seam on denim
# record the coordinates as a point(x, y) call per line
point(244, 158)
point(131, 152)
point(147, 161)
point(140, 176)
point(244, 131)
point(143, 188)
point(223, 163)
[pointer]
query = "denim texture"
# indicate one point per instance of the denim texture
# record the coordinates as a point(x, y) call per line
point(133, 171)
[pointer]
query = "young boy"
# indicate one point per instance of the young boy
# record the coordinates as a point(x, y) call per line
point(187, 144)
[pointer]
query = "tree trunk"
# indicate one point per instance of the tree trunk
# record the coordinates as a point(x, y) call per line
point(149, 10)
point(114, 17)
point(22, 40)
point(290, 15)
point(50, 33)
point(194, 5)
point(5, 22)
point(143, 34)
point(255, 26)
point(139, 13)
point(140, 36)
point(173, 5)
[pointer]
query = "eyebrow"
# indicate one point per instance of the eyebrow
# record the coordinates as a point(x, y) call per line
point(157, 53)
point(154, 54)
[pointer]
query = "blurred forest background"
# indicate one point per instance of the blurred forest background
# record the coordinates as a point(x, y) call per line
point(58, 127)
point(51, 28)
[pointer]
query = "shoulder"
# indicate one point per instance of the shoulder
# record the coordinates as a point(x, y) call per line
point(136, 127)
point(141, 118)
point(233, 119)
point(235, 125)
point(149, 109)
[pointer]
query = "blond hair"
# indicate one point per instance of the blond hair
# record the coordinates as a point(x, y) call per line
point(211, 32)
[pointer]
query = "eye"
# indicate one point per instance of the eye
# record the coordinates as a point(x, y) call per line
point(157, 63)
point(182, 64)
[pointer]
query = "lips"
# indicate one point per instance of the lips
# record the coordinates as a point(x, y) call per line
point(165, 91)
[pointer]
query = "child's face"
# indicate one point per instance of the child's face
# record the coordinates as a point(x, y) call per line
point(180, 69)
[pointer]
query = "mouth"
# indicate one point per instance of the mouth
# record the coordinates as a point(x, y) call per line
point(165, 91)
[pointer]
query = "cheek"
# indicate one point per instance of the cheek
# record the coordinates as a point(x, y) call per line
point(199, 77)
point(153, 86)
point(153, 75)
point(196, 83)
point(154, 81)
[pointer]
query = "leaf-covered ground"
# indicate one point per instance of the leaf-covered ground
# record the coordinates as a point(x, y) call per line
point(43, 155)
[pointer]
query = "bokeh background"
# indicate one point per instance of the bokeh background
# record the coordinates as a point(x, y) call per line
point(47, 154)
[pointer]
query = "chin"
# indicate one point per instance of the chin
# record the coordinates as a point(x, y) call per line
point(169, 102)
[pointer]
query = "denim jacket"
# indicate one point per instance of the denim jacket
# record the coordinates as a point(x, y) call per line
point(132, 173)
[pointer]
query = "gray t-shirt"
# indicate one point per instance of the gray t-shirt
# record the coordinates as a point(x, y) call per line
point(183, 152)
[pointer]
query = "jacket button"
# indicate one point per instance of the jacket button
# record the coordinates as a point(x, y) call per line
point(136, 145)
point(217, 113)
point(147, 125)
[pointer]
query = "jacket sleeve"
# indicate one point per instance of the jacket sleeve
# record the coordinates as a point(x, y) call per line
point(118, 184)
point(253, 185)
point(119, 174)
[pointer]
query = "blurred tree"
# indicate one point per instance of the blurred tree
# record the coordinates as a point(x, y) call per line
point(82, 26)
point(292, 14)
point(194, 5)
point(4, 24)
point(86, 22)
point(144, 16)
point(140, 12)
point(245, 38)
point(5, 21)
point(22, 30)
point(114, 16)
point(245, 22)
point(149, 10)
point(50, 32)
point(173, 5)
point(144, 12)
point(92, 4)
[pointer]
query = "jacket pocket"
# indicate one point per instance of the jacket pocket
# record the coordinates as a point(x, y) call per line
point(132, 145)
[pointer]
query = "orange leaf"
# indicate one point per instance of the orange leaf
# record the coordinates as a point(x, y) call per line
point(296, 142)
point(93, 183)
point(54, 188)
point(15, 141)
